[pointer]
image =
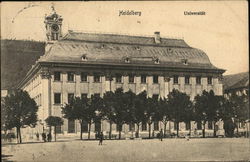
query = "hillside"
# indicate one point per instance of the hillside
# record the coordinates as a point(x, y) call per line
point(17, 57)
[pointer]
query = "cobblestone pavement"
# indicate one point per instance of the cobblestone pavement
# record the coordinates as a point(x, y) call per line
point(209, 149)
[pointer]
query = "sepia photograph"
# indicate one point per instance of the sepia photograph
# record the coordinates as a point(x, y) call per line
point(125, 81)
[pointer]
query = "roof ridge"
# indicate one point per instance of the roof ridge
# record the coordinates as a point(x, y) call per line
point(121, 34)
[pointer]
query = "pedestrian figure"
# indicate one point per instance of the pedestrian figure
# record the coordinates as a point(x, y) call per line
point(100, 138)
point(161, 135)
point(49, 137)
point(44, 137)
point(37, 136)
point(153, 134)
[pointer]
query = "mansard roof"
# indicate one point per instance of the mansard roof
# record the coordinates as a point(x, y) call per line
point(125, 50)
point(236, 81)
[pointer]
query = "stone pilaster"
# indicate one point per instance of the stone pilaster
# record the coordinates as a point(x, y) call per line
point(204, 83)
point(161, 86)
point(77, 85)
point(125, 83)
point(137, 84)
point(103, 85)
point(90, 90)
point(150, 86)
point(182, 83)
point(193, 88)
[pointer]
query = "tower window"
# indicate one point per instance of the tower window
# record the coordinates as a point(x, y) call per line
point(57, 76)
point(143, 79)
point(155, 79)
point(209, 80)
point(198, 80)
point(176, 79)
point(187, 78)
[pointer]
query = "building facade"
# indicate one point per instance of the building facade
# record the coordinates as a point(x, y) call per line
point(85, 64)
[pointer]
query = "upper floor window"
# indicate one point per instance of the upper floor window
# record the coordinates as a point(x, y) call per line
point(96, 78)
point(175, 79)
point(70, 97)
point(198, 80)
point(155, 96)
point(155, 79)
point(187, 78)
point(118, 78)
point(131, 79)
point(57, 98)
point(209, 80)
point(70, 76)
point(143, 79)
point(84, 77)
point(97, 95)
point(57, 76)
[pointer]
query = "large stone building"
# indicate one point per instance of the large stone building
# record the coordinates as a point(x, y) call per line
point(85, 64)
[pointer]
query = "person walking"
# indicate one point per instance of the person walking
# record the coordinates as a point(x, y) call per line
point(161, 135)
point(100, 138)
point(44, 137)
point(49, 137)
point(37, 136)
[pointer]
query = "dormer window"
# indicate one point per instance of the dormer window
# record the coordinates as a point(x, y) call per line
point(127, 60)
point(137, 48)
point(157, 61)
point(84, 58)
point(184, 61)
point(103, 45)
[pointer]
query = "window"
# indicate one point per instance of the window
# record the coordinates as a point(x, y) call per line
point(155, 79)
point(175, 126)
point(156, 125)
point(188, 125)
point(187, 79)
point(96, 78)
point(84, 126)
point(143, 79)
point(97, 95)
point(144, 126)
point(175, 79)
point(118, 127)
point(209, 80)
point(210, 125)
point(198, 80)
point(84, 77)
point(131, 79)
point(70, 97)
point(58, 129)
point(97, 126)
point(71, 126)
point(84, 95)
point(199, 125)
point(118, 78)
point(132, 127)
point(57, 98)
point(57, 76)
point(70, 76)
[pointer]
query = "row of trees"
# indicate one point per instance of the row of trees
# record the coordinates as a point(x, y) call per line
point(128, 108)
point(18, 110)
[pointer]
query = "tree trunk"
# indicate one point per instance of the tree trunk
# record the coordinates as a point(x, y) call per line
point(138, 129)
point(119, 134)
point(149, 130)
point(17, 135)
point(20, 137)
point(81, 125)
point(203, 130)
point(177, 127)
point(55, 133)
point(237, 124)
point(110, 129)
point(165, 128)
point(214, 129)
point(89, 130)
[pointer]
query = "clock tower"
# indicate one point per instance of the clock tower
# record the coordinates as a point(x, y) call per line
point(53, 25)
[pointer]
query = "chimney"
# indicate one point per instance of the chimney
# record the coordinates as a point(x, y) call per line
point(157, 37)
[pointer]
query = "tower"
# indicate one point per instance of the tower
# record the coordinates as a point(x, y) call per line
point(53, 25)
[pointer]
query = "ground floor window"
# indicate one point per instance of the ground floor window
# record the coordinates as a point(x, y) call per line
point(175, 125)
point(84, 127)
point(156, 125)
point(97, 126)
point(71, 126)
point(188, 125)
point(118, 127)
point(199, 126)
point(210, 125)
point(144, 126)
point(132, 127)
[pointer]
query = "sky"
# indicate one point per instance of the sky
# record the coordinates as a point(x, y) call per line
point(222, 33)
